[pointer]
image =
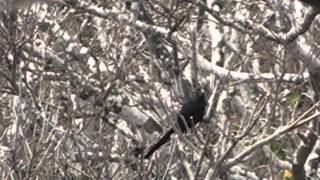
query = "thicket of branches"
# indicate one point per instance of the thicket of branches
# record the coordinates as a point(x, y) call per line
point(86, 86)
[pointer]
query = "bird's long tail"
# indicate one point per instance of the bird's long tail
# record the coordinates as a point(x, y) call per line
point(163, 139)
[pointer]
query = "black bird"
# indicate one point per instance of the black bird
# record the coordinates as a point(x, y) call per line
point(191, 113)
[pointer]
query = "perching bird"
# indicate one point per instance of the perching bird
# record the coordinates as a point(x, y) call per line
point(191, 113)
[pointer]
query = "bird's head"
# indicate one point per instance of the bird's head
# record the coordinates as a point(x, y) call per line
point(198, 92)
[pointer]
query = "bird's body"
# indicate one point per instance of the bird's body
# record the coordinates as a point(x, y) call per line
point(190, 114)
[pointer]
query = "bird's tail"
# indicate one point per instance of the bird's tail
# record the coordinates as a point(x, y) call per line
point(158, 143)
